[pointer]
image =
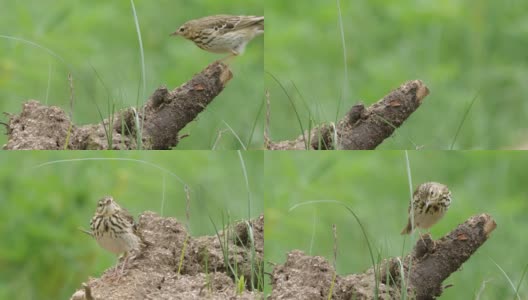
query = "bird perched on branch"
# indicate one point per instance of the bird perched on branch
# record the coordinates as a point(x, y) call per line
point(222, 33)
point(429, 204)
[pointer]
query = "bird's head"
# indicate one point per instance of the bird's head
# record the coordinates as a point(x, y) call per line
point(183, 31)
point(107, 206)
point(436, 193)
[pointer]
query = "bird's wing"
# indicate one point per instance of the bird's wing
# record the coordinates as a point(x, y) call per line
point(414, 201)
point(128, 217)
point(249, 21)
point(227, 23)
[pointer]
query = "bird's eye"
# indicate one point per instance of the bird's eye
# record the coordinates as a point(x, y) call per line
point(182, 29)
point(432, 193)
point(216, 28)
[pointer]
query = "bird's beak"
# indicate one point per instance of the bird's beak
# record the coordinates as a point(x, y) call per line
point(174, 33)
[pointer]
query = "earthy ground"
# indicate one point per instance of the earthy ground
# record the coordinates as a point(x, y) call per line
point(206, 270)
point(421, 272)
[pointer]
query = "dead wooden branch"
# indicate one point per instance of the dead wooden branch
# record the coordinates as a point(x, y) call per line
point(40, 127)
point(424, 269)
point(362, 128)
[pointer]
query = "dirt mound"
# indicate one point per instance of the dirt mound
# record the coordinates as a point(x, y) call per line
point(422, 271)
point(210, 268)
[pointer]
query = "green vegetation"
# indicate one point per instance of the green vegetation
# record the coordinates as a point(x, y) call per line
point(460, 49)
point(375, 186)
point(43, 255)
point(97, 42)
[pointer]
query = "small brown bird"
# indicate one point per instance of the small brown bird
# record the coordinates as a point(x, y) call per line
point(430, 202)
point(222, 33)
point(114, 228)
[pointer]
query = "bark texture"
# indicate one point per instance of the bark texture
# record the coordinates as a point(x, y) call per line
point(40, 127)
point(361, 128)
point(425, 268)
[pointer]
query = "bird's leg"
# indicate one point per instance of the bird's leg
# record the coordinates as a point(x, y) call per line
point(117, 272)
point(114, 271)
point(422, 250)
point(230, 56)
point(227, 58)
point(430, 238)
point(421, 235)
point(128, 257)
point(125, 260)
point(432, 241)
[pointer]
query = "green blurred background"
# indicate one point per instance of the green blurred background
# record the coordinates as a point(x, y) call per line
point(43, 255)
point(375, 186)
point(98, 39)
point(460, 49)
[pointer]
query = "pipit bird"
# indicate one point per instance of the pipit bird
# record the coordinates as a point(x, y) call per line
point(222, 33)
point(114, 229)
point(430, 202)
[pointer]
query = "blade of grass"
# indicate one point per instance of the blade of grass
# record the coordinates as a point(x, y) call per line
point(507, 278)
point(376, 279)
point(334, 230)
point(218, 138)
point(293, 106)
point(332, 284)
point(253, 253)
point(108, 132)
point(223, 246)
point(411, 215)
point(303, 101)
point(312, 239)
point(187, 190)
point(49, 51)
point(481, 289)
point(393, 126)
point(404, 285)
point(112, 158)
point(164, 179)
point(182, 255)
point(244, 171)
point(409, 180)
point(58, 57)
point(49, 82)
point(344, 95)
point(67, 142)
point(143, 71)
point(235, 134)
point(464, 118)
point(141, 51)
point(139, 139)
point(254, 125)
point(522, 277)
point(331, 290)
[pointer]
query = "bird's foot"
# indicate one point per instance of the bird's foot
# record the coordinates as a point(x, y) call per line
point(227, 59)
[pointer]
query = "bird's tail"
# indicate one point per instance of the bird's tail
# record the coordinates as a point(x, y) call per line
point(407, 229)
point(86, 231)
point(257, 21)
